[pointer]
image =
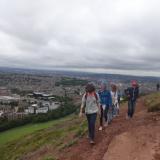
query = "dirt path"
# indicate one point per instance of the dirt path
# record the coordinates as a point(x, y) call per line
point(135, 139)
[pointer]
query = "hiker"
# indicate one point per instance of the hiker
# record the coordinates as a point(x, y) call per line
point(106, 103)
point(91, 106)
point(115, 104)
point(119, 98)
point(158, 86)
point(132, 95)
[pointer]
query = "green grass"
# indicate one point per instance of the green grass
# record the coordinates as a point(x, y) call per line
point(153, 102)
point(59, 134)
point(19, 132)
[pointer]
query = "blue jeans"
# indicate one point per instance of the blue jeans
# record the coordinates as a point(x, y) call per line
point(91, 118)
point(131, 108)
point(110, 114)
point(104, 113)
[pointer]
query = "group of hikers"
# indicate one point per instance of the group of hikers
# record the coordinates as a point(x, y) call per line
point(105, 103)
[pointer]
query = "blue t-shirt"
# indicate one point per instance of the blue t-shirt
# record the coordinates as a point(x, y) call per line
point(105, 98)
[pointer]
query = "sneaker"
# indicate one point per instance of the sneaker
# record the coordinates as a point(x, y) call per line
point(127, 117)
point(100, 128)
point(106, 124)
point(92, 142)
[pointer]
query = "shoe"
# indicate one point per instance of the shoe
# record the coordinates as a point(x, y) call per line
point(106, 124)
point(92, 142)
point(100, 128)
point(127, 117)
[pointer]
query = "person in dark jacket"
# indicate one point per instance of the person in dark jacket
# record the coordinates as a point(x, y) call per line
point(158, 86)
point(132, 95)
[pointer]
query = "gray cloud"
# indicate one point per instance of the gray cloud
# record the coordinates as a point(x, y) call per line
point(118, 36)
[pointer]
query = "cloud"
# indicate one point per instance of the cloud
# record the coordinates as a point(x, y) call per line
point(103, 36)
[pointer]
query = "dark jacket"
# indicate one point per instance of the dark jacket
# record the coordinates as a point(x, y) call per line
point(132, 93)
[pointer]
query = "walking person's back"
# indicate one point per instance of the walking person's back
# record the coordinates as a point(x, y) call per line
point(91, 104)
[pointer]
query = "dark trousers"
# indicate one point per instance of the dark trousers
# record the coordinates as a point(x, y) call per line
point(131, 108)
point(91, 118)
point(104, 113)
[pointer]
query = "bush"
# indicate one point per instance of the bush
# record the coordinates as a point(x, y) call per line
point(153, 102)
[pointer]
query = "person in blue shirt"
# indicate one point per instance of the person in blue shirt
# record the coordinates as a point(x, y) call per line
point(105, 105)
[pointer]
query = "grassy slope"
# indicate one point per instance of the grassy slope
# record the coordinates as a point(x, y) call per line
point(153, 102)
point(58, 134)
point(19, 132)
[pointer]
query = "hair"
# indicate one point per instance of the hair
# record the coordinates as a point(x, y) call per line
point(90, 88)
point(114, 87)
point(103, 85)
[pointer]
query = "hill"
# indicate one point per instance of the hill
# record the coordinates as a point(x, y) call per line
point(30, 140)
point(65, 139)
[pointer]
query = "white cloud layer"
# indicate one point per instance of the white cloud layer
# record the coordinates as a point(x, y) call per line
point(120, 36)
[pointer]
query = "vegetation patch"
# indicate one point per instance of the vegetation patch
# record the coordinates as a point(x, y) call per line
point(58, 135)
point(67, 81)
point(152, 101)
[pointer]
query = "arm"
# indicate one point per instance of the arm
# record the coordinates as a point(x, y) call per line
point(99, 104)
point(127, 92)
point(82, 106)
point(137, 93)
point(110, 99)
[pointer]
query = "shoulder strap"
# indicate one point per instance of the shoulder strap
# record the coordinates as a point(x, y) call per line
point(95, 94)
point(85, 96)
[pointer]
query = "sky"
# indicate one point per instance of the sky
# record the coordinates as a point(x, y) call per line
point(103, 36)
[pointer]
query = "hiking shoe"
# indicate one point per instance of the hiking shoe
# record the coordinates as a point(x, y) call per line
point(100, 128)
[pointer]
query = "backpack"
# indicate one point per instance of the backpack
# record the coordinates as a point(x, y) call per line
point(95, 95)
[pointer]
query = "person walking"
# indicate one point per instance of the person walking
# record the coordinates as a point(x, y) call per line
point(105, 105)
point(91, 106)
point(158, 86)
point(132, 95)
point(115, 103)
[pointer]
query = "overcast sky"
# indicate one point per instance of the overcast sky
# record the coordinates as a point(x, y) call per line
point(111, 36)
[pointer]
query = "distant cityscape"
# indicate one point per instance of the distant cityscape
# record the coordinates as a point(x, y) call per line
point(24, 92)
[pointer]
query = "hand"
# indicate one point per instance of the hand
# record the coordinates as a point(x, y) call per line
point(80, 114)
point(110, 108)
point(99, 112)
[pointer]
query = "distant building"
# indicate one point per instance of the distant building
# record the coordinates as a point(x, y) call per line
point(4, 91)
point(54, 105)
point(42, 110)
point(8, 99)
point(1, 113)
point(30, 110)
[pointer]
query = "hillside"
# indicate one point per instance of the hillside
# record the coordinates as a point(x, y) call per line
point(46, 138)
point(65, 139)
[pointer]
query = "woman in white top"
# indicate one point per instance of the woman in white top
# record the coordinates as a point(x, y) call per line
point(91, 103)
point(115, 104)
